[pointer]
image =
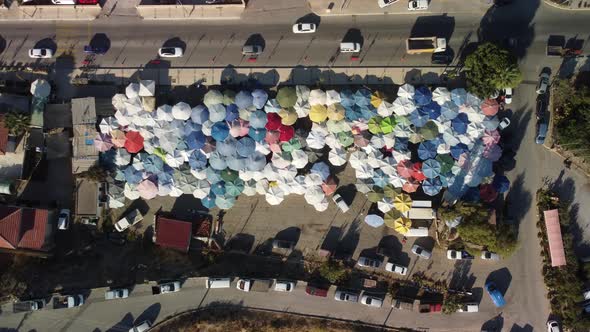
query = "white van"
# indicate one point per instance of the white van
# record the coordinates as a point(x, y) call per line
point(421, 213)
point(417, 232)
point(350, 47)
point(218, 282)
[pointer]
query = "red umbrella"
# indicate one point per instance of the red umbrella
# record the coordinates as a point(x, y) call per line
point(329, 187)
point(417, 171)
point(488, 193)
point(133, 142)
point(272, 136)
point(287, 132)
point(404, 169)
point(490, 107)
point(274, 121)
point(411, 185)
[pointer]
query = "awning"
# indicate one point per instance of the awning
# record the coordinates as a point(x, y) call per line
point(554, 238)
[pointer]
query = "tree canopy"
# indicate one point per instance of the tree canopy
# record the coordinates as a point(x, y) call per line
point(17, 123)
point(491, 68)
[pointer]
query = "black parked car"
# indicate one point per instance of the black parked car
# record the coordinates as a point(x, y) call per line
point(541, 108)
point(441, 58)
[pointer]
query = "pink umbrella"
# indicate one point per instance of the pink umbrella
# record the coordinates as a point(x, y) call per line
point(490, 107)
point(272, 136)
point(102, 142)
point(488, 193)
point(147, 189)
point(360, 141)
point(275, 147)
point(239, 128)
point(492, 152)
point(118, 138)
point(329, 187)
point(491, 137)
point(411, 185)
point(404, 169)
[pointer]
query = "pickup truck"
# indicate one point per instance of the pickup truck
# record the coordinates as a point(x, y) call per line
point(129, 220)
point(254, 285)
point(31, 305)
point(168, 287)
point(419, 45)
point(67, 301)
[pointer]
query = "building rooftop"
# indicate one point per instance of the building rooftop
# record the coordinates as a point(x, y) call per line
point(84, 153)
point(86, 198)
point(172, 233)
point(58, 116)
point(24, 228)
point(83, 111)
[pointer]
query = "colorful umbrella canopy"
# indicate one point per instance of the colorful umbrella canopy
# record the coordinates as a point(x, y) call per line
point(459, 123)
point(220, 131)
point(491, 137)
point(374, 220)
point(488, 193)
point(375, 125)
point(259, 98)
point(258, 119)
point(234, 188)
point(459, 96)
point(288, 116)
point(318, 113)
point(322, 169)
point(427, 150)
point(431, 187)
point(492, 152)
point(317, 97)
point(329, 186)
point(102, 142)
point(446, 162)
point(274, 195)
point(418, 119)
point(239, 127)
point(212, 97)
point(441, 95)
point(411, 185)
point(394, 219)
point(287, 97)
point(209, 201)
point(431, 168)
point(429, 131)
point(402, 202)
point(181, 111)
point(40, 88)
point(501, 183)
point(376, 99)
point(332, 97)
point(336, 112)
point(376, 195)
point(256, 134)
point(457, 150)
point(133, 142)
point(245, 146)
point(422, 95)
point(225, 202)
point(404, 168)
point(490, 107)
point(337, 157)
point(147, 189)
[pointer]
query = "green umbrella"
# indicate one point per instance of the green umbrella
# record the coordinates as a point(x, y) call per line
point(160, 153)
point(287, 97)
point(376, 195)
point(415, 138)
point(374, 125)
point(429, 130)
point(234, 188)
point(213, 97)
point(229, 97)
point(345, 138)
point(387, 125)
point(390, 191)
point(291, 145)
point(229, 175)
point(446, 162)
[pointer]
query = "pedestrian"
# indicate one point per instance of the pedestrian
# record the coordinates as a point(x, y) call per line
point(567, 162)
point(404, 240)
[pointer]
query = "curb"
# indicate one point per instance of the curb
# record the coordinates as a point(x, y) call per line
point(554, 5)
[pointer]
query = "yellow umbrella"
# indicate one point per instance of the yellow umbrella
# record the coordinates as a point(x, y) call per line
point(288, 116)
point(402, 202)
point(394, 219)
point(376, 99)
point(318, 113)
point(336, 112)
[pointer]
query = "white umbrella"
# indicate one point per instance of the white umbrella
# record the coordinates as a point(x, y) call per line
point(491, 122)
point(302, 108)
point(313, 179)
point(108, 124)
point(357, 158)
point(389, 140)
point(133, 106)
point(263, 148)
point(148, 103)
point(450, 137)
point(316, 140)
point(298, 186)
point(441, 95)
point(377, 141)
point(118, 101)
point(288, 173)
point(302, 92)
point(317, 97)
point(175, 192)
point(122, 157)
point(375, 159)
point(164, 113)
point(116, 203)
point(274, 195)
point(337, 157)
point(175, 159)
point(385, 204)
point(443, 148)
point(333, 142)
point(363, 185)
point(40, 88)
point(403, 106)
point(279, 161)
point(399, 156)
point(200, 174)
point(217, 113)
point(202, 189)
point(262, 186)
point(396, 180)
point(181, 111)
point(321, 206)
point(270, 172)
point(300, 158)
point(164, 189)
point(249, 188)
point(475, 130)
point(314, 195)
point(385, 109)
point(406, 91)
point(130, 192)
point(364, 172)
point(332, 97)
point(388, 169)
point(132, 90)
point(147, 88)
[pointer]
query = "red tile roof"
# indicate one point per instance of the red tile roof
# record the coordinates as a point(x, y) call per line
point(554, 238)
point(23, 227)
point(171, 233)
point(3, 135)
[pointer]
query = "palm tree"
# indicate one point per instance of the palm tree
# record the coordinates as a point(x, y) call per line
point(17, 123)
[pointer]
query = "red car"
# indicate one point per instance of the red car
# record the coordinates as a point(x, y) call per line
point(311, 290)
point(87, 2)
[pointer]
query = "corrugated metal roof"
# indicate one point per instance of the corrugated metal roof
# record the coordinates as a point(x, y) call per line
point(554, 238)
point(83, 111)
point(171, 233)
point(33, 227)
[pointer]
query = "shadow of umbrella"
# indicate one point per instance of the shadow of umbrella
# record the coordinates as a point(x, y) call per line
point(150, 314)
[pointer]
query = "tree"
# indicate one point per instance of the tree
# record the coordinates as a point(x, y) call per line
point(451, 304)
point(94, 173)
point(332, 271)
point(17, 123)
point(491, 68)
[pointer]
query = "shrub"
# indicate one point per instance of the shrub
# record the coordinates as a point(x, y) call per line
point(332, 271)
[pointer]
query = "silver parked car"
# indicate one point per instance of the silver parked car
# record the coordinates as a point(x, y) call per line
point(368, 262)
point(421, 252)
point(371, 301)
point(118, 293)
point(391, 267)
point(346, 296)
point(489, 256)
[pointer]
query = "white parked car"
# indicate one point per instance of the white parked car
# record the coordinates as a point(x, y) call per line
point(469, 307)
point(304, 28)
point(284, 286)
point(490, 256)
point(553, 326)
point(63, 220)
point(371, 301)
point(508, 96)
point(129, 220)
point(346, 296)
point(120, 293)
point(63, 2)
point(340, 203)
point(143, 327)
point(169, 287)
point(421, 252)
point(385, 3)
point(391, 267)
point(418, 5)
point(40, 53)
point(170, 52)
point(543, 83)
point(368, 262)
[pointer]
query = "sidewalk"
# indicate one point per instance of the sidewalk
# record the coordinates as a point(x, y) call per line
point(570, 4)
point(370, 7)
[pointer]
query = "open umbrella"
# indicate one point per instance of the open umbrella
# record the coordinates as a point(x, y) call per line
point(40, 88)
point(287, 96)
point(259, 98)
point(208, 201)
point(234, 188)
point(362, 97)
point(202, 189)
point(427, 150)
point(458, 150)
point(491, 137)
point(459, 123)
point(322, 169)
point(272, 106)
point(239, 127)
point(258, 119)
point(147, 189)
point(431, 187)
point(488, 193)
point(441, 95)
point(431, 168)
point(446, 162)
point(317, 97)
point(225, 202)
point(217, 113)
point(404, 168)
point(490, 107)
point(243, 99)
point(345, 138)
point(375, 195)
point(406, 91)
point(448, 111)
point(199, 114)
point(300, 159)
point(336, 112)
point(318, 113)
point(411, 185)
point(102, 142)
point(332, 97)
point(459, 96)
point(257, 134)
point(418, 118)
point(274, 194)
point(337, 157)
point(394, 219)
point(363, 186)
point(133, 142)
point(422, 96)
point(429, 131)
point(212, 97)
point(329, 186)
point(501, 183)
point(291, 145)
point(379, 178)
point(492, 152)
point(385, 204)
point(181, 111)
point(402, 202)
point(374, 220)
point(220, 131)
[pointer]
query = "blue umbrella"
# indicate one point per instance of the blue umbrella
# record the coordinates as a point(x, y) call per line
point(459, 123)
point(322, 169)
point(431, 168)
point(431, 187)
point(213, 175)
point(195, 140)
point(182, 144)
point(190, 127)
point(471, 195)
point(197, 160)
point(224, 202)
point(401, 144)
point(165, 177)
point(352, 113)
point(449, 111)
point(418, 119)
point(132, 175)
point(227, 147)
point(257, 134)
point(427, 150)
point(501, 183)
point(367, 111)
point(200, 114)
point(217, 161)
point(256, 162)
point(236, 163)
point(259, 98)
point(484, 168)
point(234, 188)
point(220, 131)
point(374, 220)
point(218, 188)
point(209, 201)
point(422, 96)
point(232, 112)
point(346, 98)
point(432, 109)
point(243, 99)
point(458, 96)
point(119, 175)
point(362, 97)
point(153, 164)
point(380, 179)
point(446, 179)
point(458, 150)
point(258, 119)
point(246, 146)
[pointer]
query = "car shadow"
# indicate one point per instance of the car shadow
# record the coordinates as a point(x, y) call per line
point(175, 42)
point(100, 41)
point(256, 39)
point(46, 43)
point(502, 278)
point(291, 234)
point(353, 36)
point(149, 314)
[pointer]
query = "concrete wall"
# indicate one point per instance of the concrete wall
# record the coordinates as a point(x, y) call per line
point(170, 12)
point(50, 13)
